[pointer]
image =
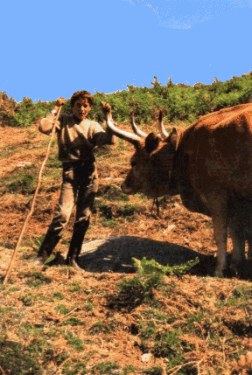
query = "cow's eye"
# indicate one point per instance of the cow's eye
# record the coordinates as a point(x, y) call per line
point(133, 163)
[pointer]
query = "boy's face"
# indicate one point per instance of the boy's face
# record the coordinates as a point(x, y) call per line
point(81, 108)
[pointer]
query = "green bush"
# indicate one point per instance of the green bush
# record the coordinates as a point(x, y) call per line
point(21, 180)
point(136, 290)
point(27, 112)
point(181, 102)
point(146, 267)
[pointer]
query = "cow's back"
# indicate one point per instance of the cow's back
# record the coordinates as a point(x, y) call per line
point(220, 153)
point(214, 118)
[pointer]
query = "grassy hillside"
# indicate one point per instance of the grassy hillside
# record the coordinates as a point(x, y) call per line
point(115, 316)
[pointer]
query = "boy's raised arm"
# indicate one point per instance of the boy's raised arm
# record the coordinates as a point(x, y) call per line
point(45, 124)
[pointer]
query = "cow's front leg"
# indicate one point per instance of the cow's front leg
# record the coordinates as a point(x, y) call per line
point(249, 238)
point(220, 236)
point(238, 255)
point(217, 204)
point(250, 249)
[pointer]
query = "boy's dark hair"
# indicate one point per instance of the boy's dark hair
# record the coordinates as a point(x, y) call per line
point(81, 94)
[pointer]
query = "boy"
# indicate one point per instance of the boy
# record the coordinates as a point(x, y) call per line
point(77, 137)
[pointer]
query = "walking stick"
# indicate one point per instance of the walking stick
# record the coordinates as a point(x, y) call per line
point(33, 201)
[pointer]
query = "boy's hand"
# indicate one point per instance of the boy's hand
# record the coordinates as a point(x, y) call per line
point(106, 107)
point(60, 102)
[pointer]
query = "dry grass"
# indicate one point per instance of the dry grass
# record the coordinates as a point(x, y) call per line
point(55, 320)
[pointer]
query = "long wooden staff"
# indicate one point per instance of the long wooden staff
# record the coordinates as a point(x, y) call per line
point(30, 212)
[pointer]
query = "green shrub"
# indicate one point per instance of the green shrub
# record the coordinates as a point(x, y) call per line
point(105, 368)
point(15, 360)
point(36, 279)
point(150, 267)
point(181, 102)
point(74, 341)
point(22, 181)
point(136, 290)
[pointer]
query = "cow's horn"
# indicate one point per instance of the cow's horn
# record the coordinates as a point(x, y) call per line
point(135, 128)
point(164, 134)
point(127, 136)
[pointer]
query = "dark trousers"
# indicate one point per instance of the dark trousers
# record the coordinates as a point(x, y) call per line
point(79, 187)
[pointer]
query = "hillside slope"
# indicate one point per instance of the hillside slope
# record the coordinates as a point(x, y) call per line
point(55, 320)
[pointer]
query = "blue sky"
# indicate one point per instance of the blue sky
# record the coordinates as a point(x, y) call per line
point(51, 48)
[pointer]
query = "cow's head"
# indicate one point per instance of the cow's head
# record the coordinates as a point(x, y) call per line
point(152, 162)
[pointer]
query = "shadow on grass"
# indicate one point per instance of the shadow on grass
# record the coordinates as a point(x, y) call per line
point(115, 254)
point(13, 360)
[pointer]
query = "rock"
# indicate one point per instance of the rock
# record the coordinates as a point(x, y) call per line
point(24, 164)
point(146, 357)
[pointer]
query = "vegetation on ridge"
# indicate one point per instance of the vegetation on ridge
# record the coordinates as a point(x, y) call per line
point(181, 102)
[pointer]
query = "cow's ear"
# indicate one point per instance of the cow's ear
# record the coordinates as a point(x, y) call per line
point(151, 142)
point(173, 138)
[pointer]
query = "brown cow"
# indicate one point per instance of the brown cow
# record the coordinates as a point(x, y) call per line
point(210, 165)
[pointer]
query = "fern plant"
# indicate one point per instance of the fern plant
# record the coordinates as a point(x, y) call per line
point(136, 290)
